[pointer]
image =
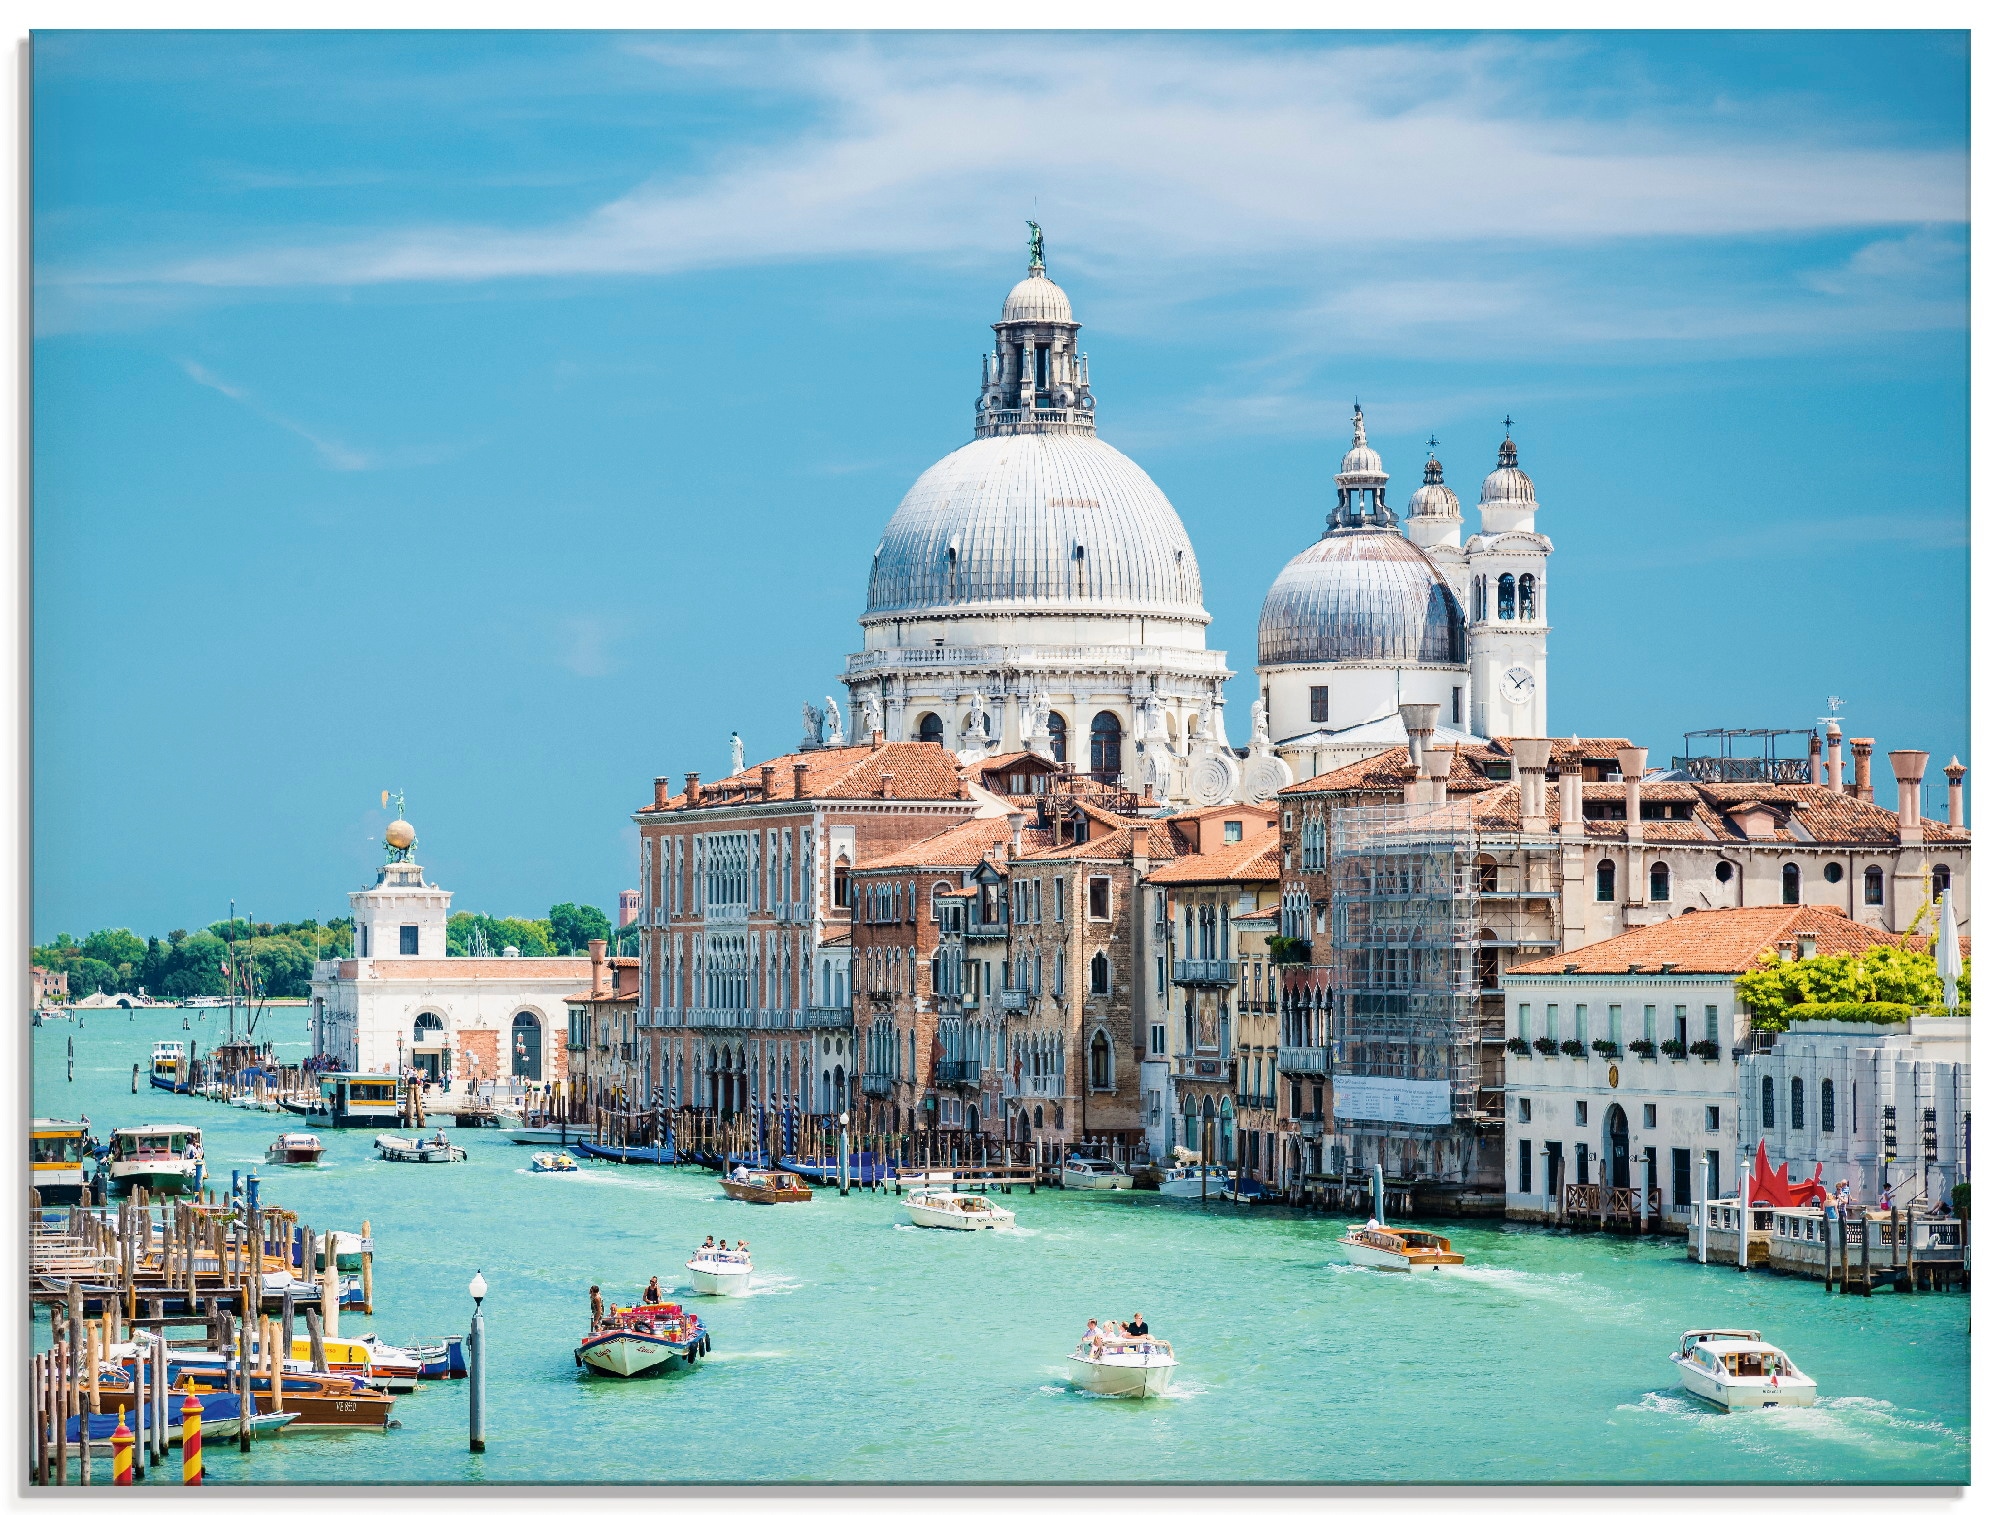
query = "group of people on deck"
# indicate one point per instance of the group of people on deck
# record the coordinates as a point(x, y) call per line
point(1112, 1333)
point(710, 1244)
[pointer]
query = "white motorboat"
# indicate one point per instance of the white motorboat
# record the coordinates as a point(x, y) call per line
point(1398, 1249)
point(296, 1147)
point(942, 1210)
point(1192, 1180)
point(1135, 1367)
point(720, 1270)
point(431, 1149)
point(1080, 1172)
point(165, 1159)
point(1739, 1370)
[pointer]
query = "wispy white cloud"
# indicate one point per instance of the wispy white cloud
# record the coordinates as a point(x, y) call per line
point(334, 453)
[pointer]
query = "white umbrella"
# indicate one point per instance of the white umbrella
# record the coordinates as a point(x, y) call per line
point(1949, 965)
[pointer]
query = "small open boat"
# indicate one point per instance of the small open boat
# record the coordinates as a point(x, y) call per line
point(1739, 1370)
point(720, 1270)
point(1193, 1181)
point(766, 1187)
point(643, 1340)
point(1398, 1249)
point(1125, 1367)
point(429, 1149)
point(942, 1210)
point(554, 1162)
point(296, 1148)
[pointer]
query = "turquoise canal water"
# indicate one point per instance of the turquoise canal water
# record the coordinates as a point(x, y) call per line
point(873, 1351)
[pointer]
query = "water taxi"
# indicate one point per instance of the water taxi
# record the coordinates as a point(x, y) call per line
point(56, 1149)
point(165, 1159)
point(720, 1270)
point(766, 1187)
point(358, 1099)
point(554, 1162)
point(643, 1340)
point(1398, 1249)
point(1123, 1367)
point(430, 1149)
point(295, 1148)
point(1739, 1370)
point(1192, 1181)
point(169, 1066)
point(942, 1210)
point(1080, 1172)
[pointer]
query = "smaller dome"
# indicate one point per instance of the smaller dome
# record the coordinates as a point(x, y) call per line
point(1362, 461)
point(1507, 485)
point(1433, 496)
point(1037, 298)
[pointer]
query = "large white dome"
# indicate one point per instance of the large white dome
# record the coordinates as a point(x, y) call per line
point(1361, 596)
point(1036, 521)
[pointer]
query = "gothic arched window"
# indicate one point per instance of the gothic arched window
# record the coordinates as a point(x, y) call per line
point(1791, 883)
point(1871, 886)
point(1527, 596)
point(1100, 974)
point(1107, 747)
point(1058, 738)
point(1100, 1061)
point(1506, 597)
point(931, 729)
point(1607, 880)
point(1662, 879)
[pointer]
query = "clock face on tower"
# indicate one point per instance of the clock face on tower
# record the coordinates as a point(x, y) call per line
point(1517, 685)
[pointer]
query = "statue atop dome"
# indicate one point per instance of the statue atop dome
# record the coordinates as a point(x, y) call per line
point(1034, 245)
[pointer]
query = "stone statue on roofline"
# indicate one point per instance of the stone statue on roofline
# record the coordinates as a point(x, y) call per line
point(871, 717)
point(1260, 729)
point(814, 724)
point(831, 734)
point(1035, 723)
point(735, 754)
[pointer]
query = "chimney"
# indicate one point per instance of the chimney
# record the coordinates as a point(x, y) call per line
point(660, 792)
point(1437, 769)
point(1632, 764)
point(799, 780)
point(875, 739)
point(596, 968)
point(1014, 824)
point(1833, 759)
point(1142, 845)
point(1863, 787)
point(1909, 766)
point(764, 781)
point(1419, 721)
point(1954, 775)
point(1569, 797)
point(1531, 767)
point(888, 784)
point(693, 789)
point(1808, 945)
point(1813, 770)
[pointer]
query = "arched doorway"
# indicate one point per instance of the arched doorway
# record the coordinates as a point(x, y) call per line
point(1206, 1146)
point(527, 1045)
point(1618, 1144)
point(427, 1053)
point(931, 729)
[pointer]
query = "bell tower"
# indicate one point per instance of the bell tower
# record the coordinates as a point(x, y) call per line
point(1508, 618)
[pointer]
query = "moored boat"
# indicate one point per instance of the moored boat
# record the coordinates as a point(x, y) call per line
point(322, 1401)
point(720, 1270)
point(554, 1162)
point(56, 1150)
point(1400, 1249)
point(296, 1148)
point(1081, 1172)
point(643, 1340)
point(430, 1149)
point(1739, 1370)
point(165, 1159)
point(1124, 1367)
point(358, 1099)
point(169, 1066)
point(942, 1210)
point(1192, 1181)
point(766, 1187)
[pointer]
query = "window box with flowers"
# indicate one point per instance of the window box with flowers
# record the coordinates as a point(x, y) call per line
point(1644, 1048)
point(1518, 1045)
point(1674, 1047)
point(1546, 1045)
point(1706, 1050)
point(1609, 1051)
point(1575, 1048)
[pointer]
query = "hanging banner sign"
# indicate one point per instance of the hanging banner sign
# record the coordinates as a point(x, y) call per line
point(1405, 1101)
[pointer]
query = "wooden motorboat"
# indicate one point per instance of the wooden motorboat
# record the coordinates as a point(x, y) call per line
point(643, 1340)
point(1080, 1172)
point(1399, 1249)
point(766, 1187)
point(1124, 1367)
point(554, 1162)
point(169, 1070)
point(942, 1210)
point(321, 1401)
point(165, 1159)
point(430, 1149)
point(56, 1150)
point(296, 1148)
point(1739, 1370)
point(720, 1270)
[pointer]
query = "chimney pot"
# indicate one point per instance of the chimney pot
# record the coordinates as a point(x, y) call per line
point(888, 785)
point(1834, 762)
point(1808, 945)
point(799, 780)
point(764, 780)
point(1954, 775)
point(1863, 748)
point(1909, 763)
point(596, 967)
point(660, 792)
point(876, 739)
point(693, 788)
point(1531, 764)
point(1420, 721)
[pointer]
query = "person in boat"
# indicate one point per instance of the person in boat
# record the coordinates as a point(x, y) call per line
point(708, 1244)
point(741, 1173)
point(1091, 1335)
point(1136, 1326)
point(743, 1247)
point(596, 1309)
point(652, 1294)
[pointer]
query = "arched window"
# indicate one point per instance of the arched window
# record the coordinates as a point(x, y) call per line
point(1661, 879)
point(1506, 597)
point(1527, 596)
point(1227, 1132)
point(1100, 974)
point(1791, 895)
point(1607, 880)
point(527, 1045)
point(1940, 881)
point(1107, 747)
point(1489, 874)
point(1100, 1061)
point(428, 1027)
point(1038, 1117)
point(937, 900)
point(1058, 738)
point(1479, 598)
point(931, 729)
point(1798, 1104)
point(1192, 1121)
point(1826, 1104)
point(1770, 1103)
point(1871, 886)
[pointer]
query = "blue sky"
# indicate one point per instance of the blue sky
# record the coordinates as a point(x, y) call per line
point(508, 418)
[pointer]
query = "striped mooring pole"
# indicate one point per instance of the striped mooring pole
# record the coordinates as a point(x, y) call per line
point(190, 1440)
point(121, 1451)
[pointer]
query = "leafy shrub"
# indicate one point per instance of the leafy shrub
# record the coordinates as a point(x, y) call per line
point(1608, 1050)
point(1546, 1045)
point(1643, 1047)
point(1708, 1050)
point(1673, 1046)
point(1518, 1045)
point(1575, 1048)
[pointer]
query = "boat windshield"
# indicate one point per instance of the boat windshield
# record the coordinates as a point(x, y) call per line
point(66, 1148)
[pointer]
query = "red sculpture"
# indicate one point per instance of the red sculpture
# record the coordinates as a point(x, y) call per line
point(1769, 1186)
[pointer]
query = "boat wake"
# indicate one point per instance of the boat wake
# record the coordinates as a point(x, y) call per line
point(1803, 1431)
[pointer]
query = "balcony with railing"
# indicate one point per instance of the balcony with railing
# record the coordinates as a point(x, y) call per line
point(958, 1071)
point(984, 930)
point(876, 1084)
point(1219, 971)
point(829, 1018)
point(1313, 1061)
point(1312, 1127)
point(1014, 1001)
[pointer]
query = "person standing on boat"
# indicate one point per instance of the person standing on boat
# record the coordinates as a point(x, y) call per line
point(708, 1244)
point(652, 1295)
point(596, 1309)
point(1136, 1326)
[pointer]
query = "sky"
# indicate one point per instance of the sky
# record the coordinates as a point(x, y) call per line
point(505, 419)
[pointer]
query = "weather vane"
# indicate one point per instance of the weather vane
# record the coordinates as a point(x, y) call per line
point(397, 797)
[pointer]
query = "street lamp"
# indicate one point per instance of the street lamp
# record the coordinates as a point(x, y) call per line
point(843, 1152)
point(475, 1343)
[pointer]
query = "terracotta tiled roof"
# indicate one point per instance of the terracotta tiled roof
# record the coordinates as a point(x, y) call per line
point(1717, 941)
point(1387, 772)
point(1111, 838)
point(1249, 862)
point(960, 847)
point(1571, 749)
point(1268, 913)
point(916, 770)
point(844, 937)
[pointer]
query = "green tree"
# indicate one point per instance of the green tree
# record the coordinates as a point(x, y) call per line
point(194, 966)
point(284, 966)
point(152, 974)
point(1880, 976)
point(574, 927)
point(88, 975)
point(115, 945)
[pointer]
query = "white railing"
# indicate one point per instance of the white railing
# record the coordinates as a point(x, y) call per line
point(1116, 654)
